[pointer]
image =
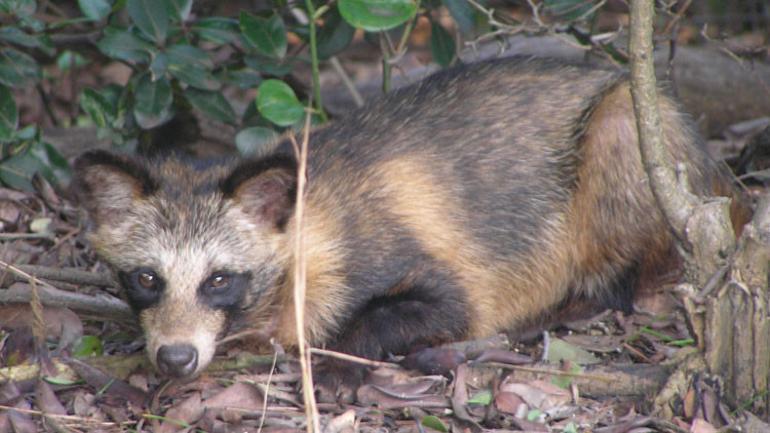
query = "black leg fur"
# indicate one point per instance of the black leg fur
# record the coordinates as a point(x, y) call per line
point(426, 310)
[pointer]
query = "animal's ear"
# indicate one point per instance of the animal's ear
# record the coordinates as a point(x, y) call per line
point(107, 185)
point(264, 188)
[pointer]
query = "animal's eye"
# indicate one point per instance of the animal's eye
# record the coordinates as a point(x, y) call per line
point(147, 279)
point(224, 289)
point(143, 287)
point(219, 281)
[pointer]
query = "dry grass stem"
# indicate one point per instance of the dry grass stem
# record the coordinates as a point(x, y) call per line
point(300, 274)
point(267, 393)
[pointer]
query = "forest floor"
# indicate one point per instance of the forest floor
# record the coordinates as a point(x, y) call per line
point(80, 365)
point(86, 371)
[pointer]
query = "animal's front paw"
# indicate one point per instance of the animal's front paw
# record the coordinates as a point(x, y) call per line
point(337, 381)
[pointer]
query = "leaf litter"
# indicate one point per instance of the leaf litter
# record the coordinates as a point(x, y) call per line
point(595, 374)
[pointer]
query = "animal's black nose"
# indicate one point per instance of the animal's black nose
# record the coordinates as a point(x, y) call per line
point(177, 360)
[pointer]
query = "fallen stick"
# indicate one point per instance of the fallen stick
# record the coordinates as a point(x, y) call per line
point(67, 275)
point(627, 380)
point(121, 366)
point(101, 306)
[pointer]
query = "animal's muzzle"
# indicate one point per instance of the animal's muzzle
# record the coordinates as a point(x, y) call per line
point(177, 360)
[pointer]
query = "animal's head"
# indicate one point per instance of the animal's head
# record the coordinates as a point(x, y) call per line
point(192, 246)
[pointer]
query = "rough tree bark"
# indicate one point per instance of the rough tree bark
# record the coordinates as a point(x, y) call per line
point(727, 301)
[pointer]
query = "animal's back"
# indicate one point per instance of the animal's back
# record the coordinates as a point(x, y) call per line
point(521, 178)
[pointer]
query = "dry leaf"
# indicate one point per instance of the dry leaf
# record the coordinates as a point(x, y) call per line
point(700, 425)
point(238, 395)
point(345, 423)
point(509, 402)
point(60, 323)
point(46, 399)
point(112, 386)
point(503, 356)
point(596, 343)
point(538, 394)
point(373, 395)
point(187, 412)
point(20, 421)
point(436, 360)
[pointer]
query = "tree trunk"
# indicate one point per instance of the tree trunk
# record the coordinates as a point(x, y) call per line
point(727, 301)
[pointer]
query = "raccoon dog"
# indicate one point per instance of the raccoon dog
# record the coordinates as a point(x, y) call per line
point(476, 201)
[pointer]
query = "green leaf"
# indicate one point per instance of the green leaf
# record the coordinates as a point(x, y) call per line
point(152, 106)
point(433, 422)
point(98, 107)
point(682, 342)
point(70, 59)
point(39, 157)
point(442, 46)
point(159, 65)
point(17, 69)
point(151, 16)
point(334, 36)
point(183, 55)
point(565, 381)
point(87, 345)
point(217, 29)
point(569, 10)
point(178, 10)
point(483, 398)
point(29, 132)
point(267, 35)
point(9, 115)
point(16, 36)
point(191, 66)
point(533, 415)
point(124, 45)
point(212, 104)
point(268, 66)
point(463, 13)
point(377, 15)
point(95, 10)
point(64, 378)
point(278, 103)
point(196, 77)
point(251, 140)
point(22, 8)
point(560, 350)
point(245, 78)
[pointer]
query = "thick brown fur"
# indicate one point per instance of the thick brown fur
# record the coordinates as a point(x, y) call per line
point(476, 201)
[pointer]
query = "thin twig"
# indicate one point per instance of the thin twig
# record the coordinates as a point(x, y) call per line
point(677, 16)
point(353, 359)
point(47, 105)
point(28, 277)
point(239, 335)
point(309, 20)
point(349, 85)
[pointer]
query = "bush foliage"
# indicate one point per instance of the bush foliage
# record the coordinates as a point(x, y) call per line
point(181, 58)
